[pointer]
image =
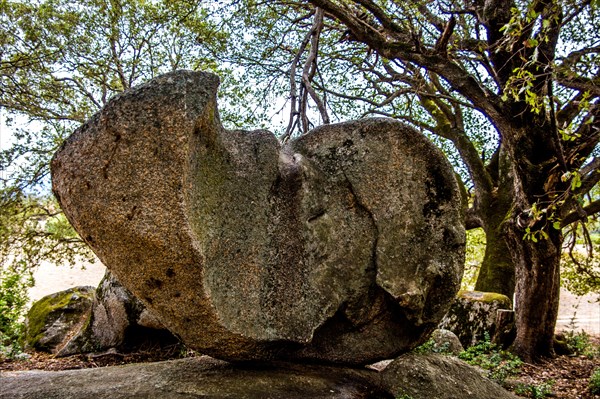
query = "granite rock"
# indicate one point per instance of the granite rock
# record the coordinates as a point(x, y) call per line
point(345, 245)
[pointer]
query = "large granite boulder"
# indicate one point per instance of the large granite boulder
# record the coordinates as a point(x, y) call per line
point(345, 245)
point(410, 376)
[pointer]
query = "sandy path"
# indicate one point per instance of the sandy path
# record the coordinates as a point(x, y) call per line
point(583, 311)
point(50, 278)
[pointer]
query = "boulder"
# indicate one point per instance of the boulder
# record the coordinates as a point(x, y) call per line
point(345, 245)
point(446, 341)
point(117, 319)
point(411, 376)
point(474, 314)
point(439, 377)
point(51, 321)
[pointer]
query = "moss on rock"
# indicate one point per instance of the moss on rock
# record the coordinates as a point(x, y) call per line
point(52, 318)
point(473, 314)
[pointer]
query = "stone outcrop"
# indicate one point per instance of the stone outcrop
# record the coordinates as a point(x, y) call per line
point(417, 377)
point(474, 314)
point(344, 245)
point(50, 322)
point(117, 319)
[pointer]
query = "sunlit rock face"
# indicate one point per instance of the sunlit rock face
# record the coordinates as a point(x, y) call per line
point(345, 245)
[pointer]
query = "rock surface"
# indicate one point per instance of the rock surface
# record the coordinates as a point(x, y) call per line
point(446, 341)
point(473, 314)
point(51, 321)
point(443, 377)
point(117, 319)
point(421, 377)
point(346, 245)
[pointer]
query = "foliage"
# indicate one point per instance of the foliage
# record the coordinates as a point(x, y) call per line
point(15, 279)
point(430, 346)
point(580, 269)
point(579, 344)
point(500, 364)
point(475, 250)
point(595, 382)
point(538, 391)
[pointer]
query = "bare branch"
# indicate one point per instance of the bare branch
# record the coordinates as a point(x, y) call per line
point(310, 66)
point(293, 88)
point(442, 44)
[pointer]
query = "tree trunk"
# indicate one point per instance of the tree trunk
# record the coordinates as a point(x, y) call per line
point(497, 272)
point(537, 292)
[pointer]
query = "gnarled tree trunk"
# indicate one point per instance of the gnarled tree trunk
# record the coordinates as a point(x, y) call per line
point(537, 292)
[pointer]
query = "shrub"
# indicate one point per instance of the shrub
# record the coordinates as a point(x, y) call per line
point(500, 364)
point(578, 343)
point(430, 346)
point(539, 391)
point(594, 384)
point(15, 280)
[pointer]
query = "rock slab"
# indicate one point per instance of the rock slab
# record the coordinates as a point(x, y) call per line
point(417, 377)
point(345, 245)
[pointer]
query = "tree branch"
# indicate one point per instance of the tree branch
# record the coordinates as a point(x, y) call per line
point(588, 210)
point(396, 44)
point(310, 66)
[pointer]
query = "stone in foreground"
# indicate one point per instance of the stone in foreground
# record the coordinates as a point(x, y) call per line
point(417, 377)
point(345, 245)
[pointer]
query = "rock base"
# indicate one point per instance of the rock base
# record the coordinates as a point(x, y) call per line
point(414, 376)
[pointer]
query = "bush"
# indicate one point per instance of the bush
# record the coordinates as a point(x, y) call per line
point(15, 280)
point(431, 347)
point(500, 364)
point(578, 343)
point(539, 391)
point(594, 384)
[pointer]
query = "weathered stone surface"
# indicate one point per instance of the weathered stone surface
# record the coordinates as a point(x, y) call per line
point(473, 314)
point(439, 377)
point(427, 377)
point(117, 319)
point(52, 320)
point(345, 245)
point(446, 341)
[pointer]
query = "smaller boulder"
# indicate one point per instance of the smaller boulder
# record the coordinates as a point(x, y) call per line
point(50, 322)
point(474, 313)
point(439, 377)
point(446, 341)
point(117, 319)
